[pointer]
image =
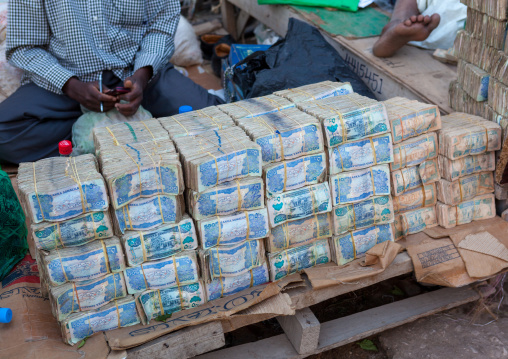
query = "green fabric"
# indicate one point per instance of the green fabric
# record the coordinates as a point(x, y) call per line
point(13, 245)
point(367, 22)
point(348, 5)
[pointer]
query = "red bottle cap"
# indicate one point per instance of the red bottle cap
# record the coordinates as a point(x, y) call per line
point(65, 148)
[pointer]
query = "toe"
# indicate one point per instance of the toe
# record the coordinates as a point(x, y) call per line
point(413, 18)
point(420, 18)
point(408, 22)
point(434, 21)
point(426, 20)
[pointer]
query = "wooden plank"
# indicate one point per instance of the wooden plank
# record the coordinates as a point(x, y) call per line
point(185, 343)
point(302, 330)
point(207, 27)
point(227, 10)
point(342, 331)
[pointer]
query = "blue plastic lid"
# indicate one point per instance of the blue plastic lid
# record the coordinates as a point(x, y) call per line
point(5, 315)
point(183, 109)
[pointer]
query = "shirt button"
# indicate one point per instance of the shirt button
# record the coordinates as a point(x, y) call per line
point(100, 46)
point(109, 68)
point(94, 18)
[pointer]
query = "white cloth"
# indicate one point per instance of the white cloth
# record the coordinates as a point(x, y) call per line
point(453, 17)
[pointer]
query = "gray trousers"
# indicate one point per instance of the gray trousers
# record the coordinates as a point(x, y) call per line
point(33, 120)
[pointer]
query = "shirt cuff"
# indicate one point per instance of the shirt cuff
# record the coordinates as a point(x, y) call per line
point(144, 59)
point(58, 76)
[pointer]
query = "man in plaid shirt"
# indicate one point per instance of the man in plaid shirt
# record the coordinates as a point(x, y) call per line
point(66, 47)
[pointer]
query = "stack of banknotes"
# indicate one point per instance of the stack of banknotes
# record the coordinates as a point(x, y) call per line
point(493, 8)
point(195, 122)
point(498, 97)
point(486, 28)
point(475, 51)
point(473, 80)
point(256, 106)
point(460, 101)
point(316, 91)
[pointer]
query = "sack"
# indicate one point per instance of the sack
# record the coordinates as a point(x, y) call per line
point(187, 50)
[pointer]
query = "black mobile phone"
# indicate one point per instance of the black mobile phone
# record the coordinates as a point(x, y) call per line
point(118, 91)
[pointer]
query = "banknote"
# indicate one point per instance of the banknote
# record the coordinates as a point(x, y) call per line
point(253, 107)
point(170, 300)
point(465, 188)
point(360, 154)
point(353, 216)
point(414, 151)
point(224, 286)
point(231, 261)
point(480, 207)
point(87, 295)
point(299, 232)
point(176, 270)
point(408, 178)
point(423, 196)
point(299, 203)
point(414, 221)
point(72, 232)
point(149, 213)
point(349, 246)
point(452, 170)
point(118, 314)
point(293, 174)
point(159, 243)
point(227, 198)
point(233, 229)
point(316, 91)
point(292, 260)
point(355, 186)
point(86, 262)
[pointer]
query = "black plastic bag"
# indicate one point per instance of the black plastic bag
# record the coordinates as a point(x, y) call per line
point(303, 57)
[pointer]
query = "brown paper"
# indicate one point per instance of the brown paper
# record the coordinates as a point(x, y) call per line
point(376, 260)
point(220, 309)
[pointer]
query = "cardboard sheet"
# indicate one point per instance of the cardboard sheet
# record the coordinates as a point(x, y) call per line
point(376, 260)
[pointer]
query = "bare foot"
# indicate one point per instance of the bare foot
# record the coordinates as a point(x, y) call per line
point(397, 33)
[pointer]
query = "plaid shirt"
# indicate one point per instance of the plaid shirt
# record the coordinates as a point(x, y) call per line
point(54, 40)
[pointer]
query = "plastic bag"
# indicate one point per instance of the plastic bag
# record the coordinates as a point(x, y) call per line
point(187, 50)
point(13, 230)
point(303, 57)
point(82, 130)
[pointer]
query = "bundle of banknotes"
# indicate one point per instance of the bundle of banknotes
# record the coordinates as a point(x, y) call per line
point(473, 80)
point(478, 208)
point(493, 8)
point(284, 135)
point(486, 28)
point(179, 269)
point(217, 156)
point(373, 211)
point(317, 91)
point(351, 245)
point(298, 204)
point(409, 178)
point(475, 51)
point(348, 117)
point(227, 198)
point(82, 296)
point(148, 213)
point(118, 314)
point(411, 118)
point(141, 170)
point(452, 170)
point(162, 242)
point(460, 101)
point(499, 70)
point(233, 229)
point(224, 286)
point(498, 97)
point(414, 151)
point(58, 188)
point(289, 175)
point(356, 186)
point(154, 303)
point(360, 154)
point(292, 260)
point(423, 196)
point(463, 134)
point(465, 188)
point(127, 133)
point(231, 261)
point(414, 221)
point(72, 232)
point(90, 261)
point(299, 232)
point(256, 106)
point(195, 122)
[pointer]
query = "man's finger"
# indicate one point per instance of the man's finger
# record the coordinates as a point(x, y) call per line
point(102, 97)
point(128, 83)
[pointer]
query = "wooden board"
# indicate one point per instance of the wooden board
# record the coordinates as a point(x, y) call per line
point(302, 330)
point(342, 331)
point(411, 73)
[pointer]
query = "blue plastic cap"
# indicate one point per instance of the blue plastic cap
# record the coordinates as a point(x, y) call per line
point(5, 315)
point(183, 109)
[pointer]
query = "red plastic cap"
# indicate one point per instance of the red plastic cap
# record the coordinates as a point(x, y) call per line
point(65, 148)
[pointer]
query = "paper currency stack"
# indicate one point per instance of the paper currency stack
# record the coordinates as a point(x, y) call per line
point(414, 171)
point(80, 262)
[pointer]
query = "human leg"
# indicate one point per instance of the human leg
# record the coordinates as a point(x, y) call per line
point(170, 90)
point(33, 121)
point(406, 24)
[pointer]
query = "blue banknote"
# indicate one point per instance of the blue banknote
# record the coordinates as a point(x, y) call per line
point(222, 287)
point(233, 261)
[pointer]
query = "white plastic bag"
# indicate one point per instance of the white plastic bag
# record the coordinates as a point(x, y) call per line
point(187, 50)
point(82, 130)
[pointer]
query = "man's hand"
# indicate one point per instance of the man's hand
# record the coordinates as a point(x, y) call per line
point(137, 83)
point(88, 95)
